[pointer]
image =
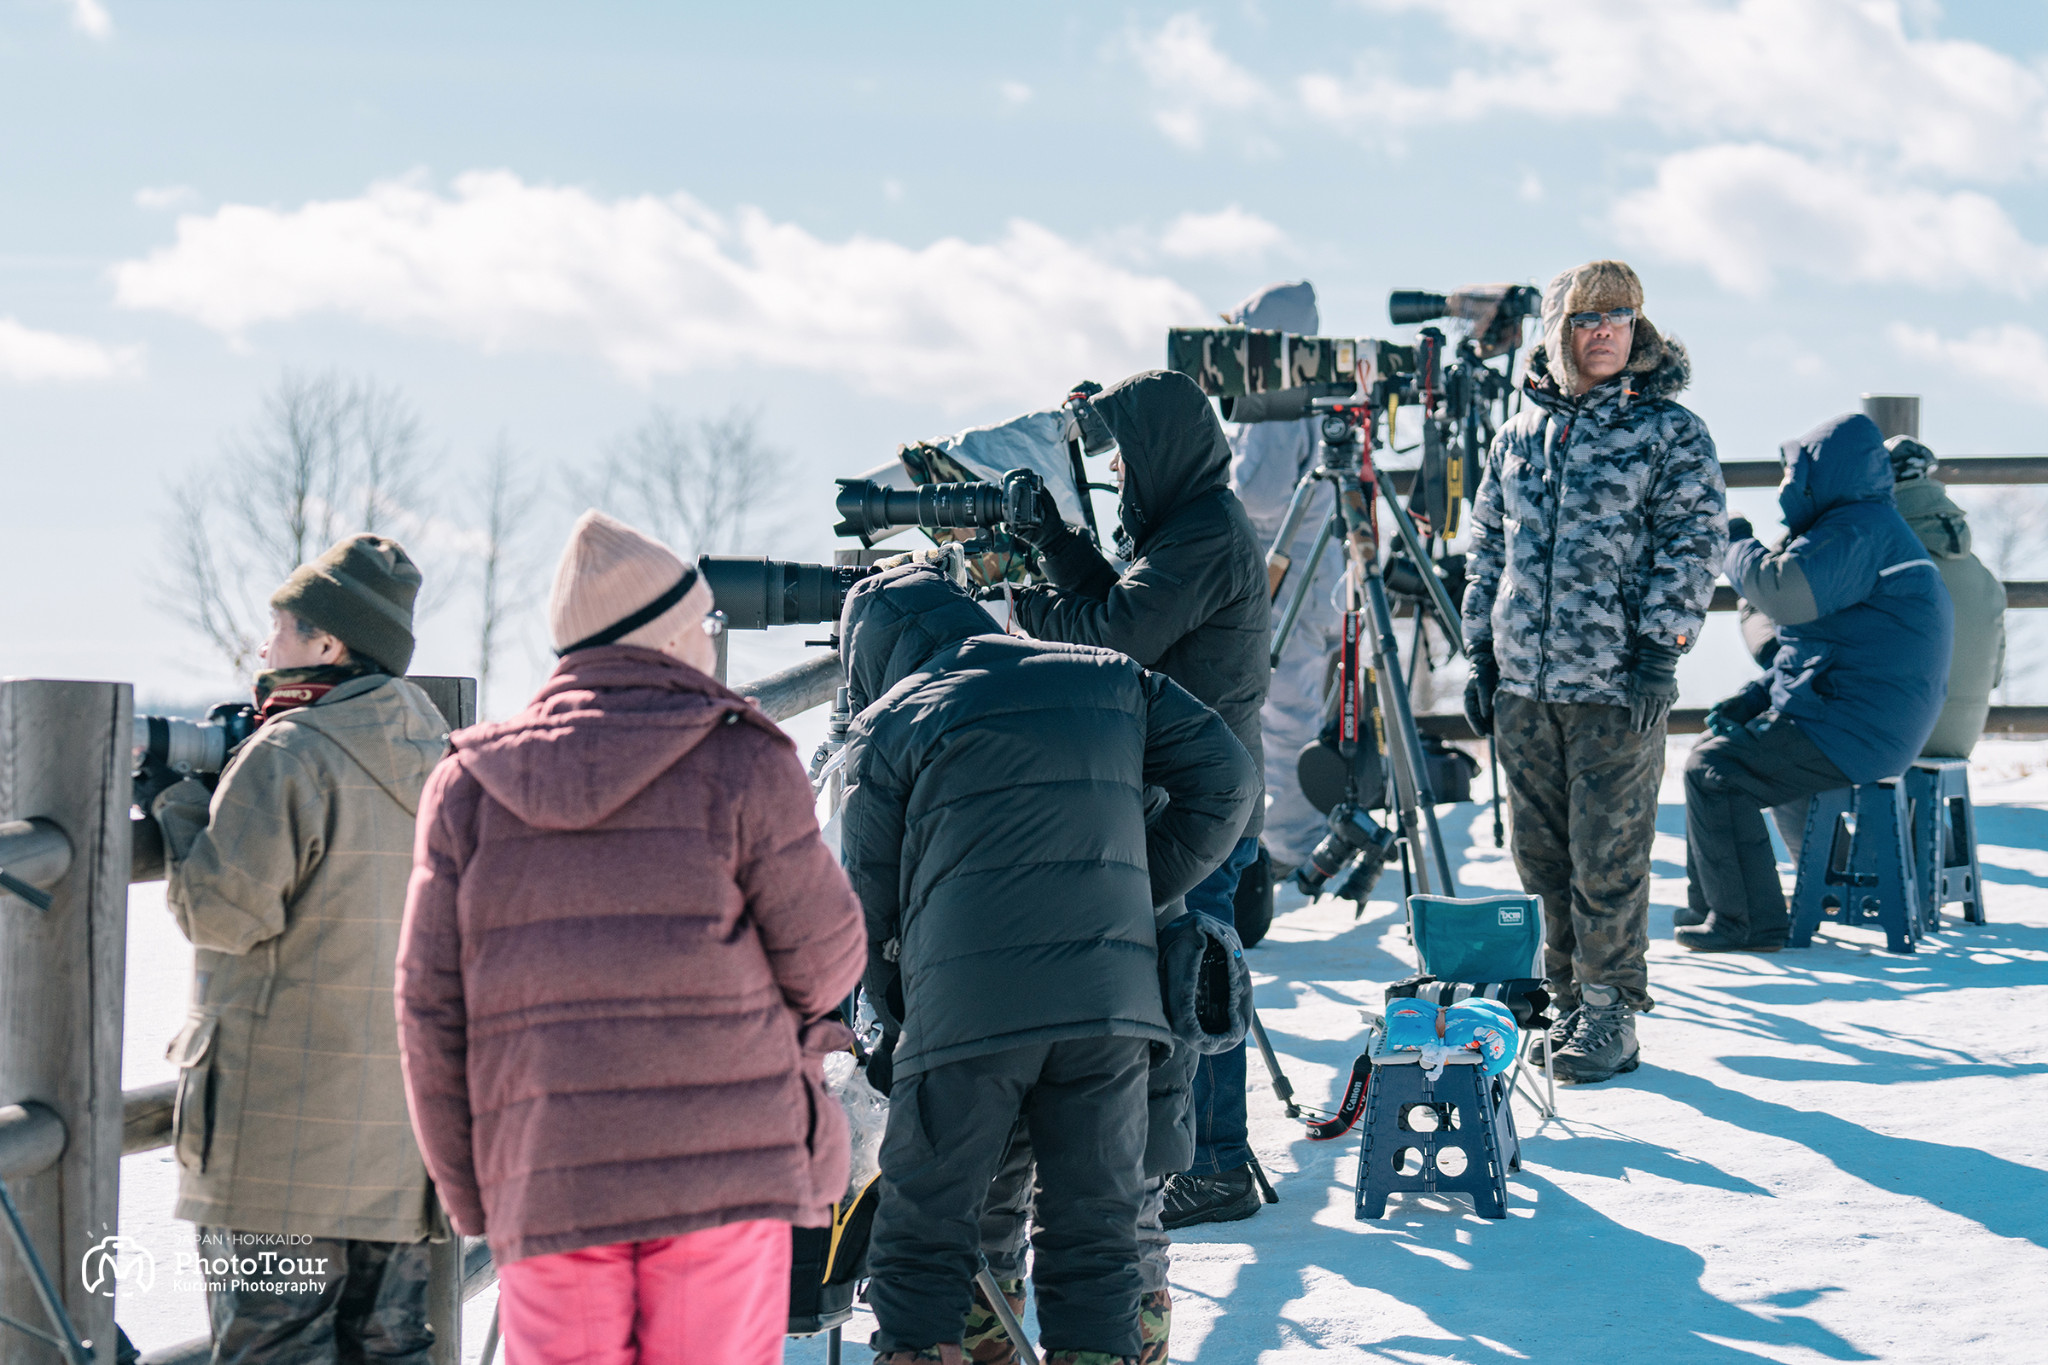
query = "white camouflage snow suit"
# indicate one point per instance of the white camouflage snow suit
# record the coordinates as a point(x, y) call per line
point(1266, 460)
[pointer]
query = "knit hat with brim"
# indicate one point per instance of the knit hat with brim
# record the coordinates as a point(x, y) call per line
point(361, 592)
point(611, 575)
point(1596, 287)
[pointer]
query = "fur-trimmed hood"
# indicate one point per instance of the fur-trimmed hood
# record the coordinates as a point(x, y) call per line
point(1658, 368)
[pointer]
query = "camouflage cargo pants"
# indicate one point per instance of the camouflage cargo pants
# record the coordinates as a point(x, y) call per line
point(1582, 792)
point(290, 1300)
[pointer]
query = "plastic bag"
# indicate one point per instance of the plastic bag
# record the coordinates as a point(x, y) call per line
point(867, 1113)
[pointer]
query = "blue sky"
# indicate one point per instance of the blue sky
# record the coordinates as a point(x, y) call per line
point(878, 223)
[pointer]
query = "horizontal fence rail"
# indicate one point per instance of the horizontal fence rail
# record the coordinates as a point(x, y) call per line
point(1692, 720)
point(1975, 470)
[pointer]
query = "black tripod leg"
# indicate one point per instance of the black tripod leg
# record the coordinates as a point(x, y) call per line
point(1282, 1087)
point(1265, 1186)
point(1493, 762)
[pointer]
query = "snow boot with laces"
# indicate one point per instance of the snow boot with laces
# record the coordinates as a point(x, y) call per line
point(1603, 1044)
point(1225, 1198)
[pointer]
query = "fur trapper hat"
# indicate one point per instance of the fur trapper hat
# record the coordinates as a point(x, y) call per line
point(1597, 286)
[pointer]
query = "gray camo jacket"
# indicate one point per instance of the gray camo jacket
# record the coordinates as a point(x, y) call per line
point(1599, 520)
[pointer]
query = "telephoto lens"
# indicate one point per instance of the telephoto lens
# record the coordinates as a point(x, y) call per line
point(755, 594)
point(867, 509)
point(193, 746)
point(1416, 305)
point(1351, 832)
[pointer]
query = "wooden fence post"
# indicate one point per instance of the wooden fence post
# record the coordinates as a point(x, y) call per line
point(456, 698)
point(64, 757)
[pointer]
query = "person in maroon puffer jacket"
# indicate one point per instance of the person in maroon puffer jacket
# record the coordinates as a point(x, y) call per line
point(622, 942)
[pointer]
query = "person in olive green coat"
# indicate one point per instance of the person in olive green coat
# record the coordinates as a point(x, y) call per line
point(295, 1149)
point(1977, 661)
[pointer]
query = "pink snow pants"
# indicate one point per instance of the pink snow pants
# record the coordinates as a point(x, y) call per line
point(716, 1297)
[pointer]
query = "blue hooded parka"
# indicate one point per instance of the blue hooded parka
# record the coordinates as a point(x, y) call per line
point(1864, 623)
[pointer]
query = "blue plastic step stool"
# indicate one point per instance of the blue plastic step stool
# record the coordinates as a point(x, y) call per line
point(1944, 840)
point(1856, 864)
point(1468, 1111)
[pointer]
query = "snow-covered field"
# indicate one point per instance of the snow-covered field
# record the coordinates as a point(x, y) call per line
point(1831, 1154)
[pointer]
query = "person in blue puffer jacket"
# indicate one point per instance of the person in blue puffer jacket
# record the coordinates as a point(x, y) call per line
point(1864, 630)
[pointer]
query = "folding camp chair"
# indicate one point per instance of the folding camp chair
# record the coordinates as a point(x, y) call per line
point(1487, 939)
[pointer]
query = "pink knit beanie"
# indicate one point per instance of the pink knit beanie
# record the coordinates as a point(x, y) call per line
point(610, 573)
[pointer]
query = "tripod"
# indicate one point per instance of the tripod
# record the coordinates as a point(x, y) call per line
point(1347, 466)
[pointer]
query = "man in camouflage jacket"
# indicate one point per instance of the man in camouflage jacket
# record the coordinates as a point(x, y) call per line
point(1599, 525)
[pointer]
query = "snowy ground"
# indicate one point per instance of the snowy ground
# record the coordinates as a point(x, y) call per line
point(1834, 1154)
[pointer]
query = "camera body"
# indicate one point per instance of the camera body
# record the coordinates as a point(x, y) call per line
point(169, 749)
point(1352, 835)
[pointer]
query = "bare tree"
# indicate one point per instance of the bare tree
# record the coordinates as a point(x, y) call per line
point(390, 475)
point(503, 504)
point(323, 452)
point(691, 484)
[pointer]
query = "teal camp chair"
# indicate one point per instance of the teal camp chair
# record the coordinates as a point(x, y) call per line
point(1481, 939)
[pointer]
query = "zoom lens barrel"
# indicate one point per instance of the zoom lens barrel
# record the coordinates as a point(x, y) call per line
point(867, 509)
point(755, 594)
point(1416, 305)
point(1351, 832)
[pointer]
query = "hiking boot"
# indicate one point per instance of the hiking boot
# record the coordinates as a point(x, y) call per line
point(1720, 936)
point(945, 1353)
point(984, 1341)
point(1604, 1043)
point(1687, 916)
point(1155, 1317)
point(1225, 1198)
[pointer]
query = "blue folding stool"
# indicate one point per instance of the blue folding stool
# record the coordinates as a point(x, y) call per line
point(1856, 863)
point(1944, 839)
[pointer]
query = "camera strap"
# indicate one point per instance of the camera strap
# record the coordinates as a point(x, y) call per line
point(1336, 1126)
point(1351, 692)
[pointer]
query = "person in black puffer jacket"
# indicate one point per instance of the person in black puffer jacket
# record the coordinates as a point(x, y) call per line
point(1194, 604)
point(995, 828)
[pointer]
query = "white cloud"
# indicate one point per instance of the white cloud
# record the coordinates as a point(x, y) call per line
point(662, 284)
point(1228, 234)
point(90, 17)
point(2010, 357)
point(1821, 74)
point(161, 197)
point(1192, 77)
point(1014, 92)
point(28, 356)
point(1746, 212)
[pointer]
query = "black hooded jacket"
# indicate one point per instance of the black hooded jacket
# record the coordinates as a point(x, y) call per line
point(994, 823)
point(1193, 603)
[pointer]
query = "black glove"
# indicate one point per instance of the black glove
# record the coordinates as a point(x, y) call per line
point(1652, 685)
point(1740, 529)
point(1479, 689)
point(1730, 714)
point(988, 592)
point(1042, 528)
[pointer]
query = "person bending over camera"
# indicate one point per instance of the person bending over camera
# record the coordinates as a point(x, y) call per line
point(994, 827)
point(1864, 629)
point(1596, 532)
point(290, 882)
point(1192, 604)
